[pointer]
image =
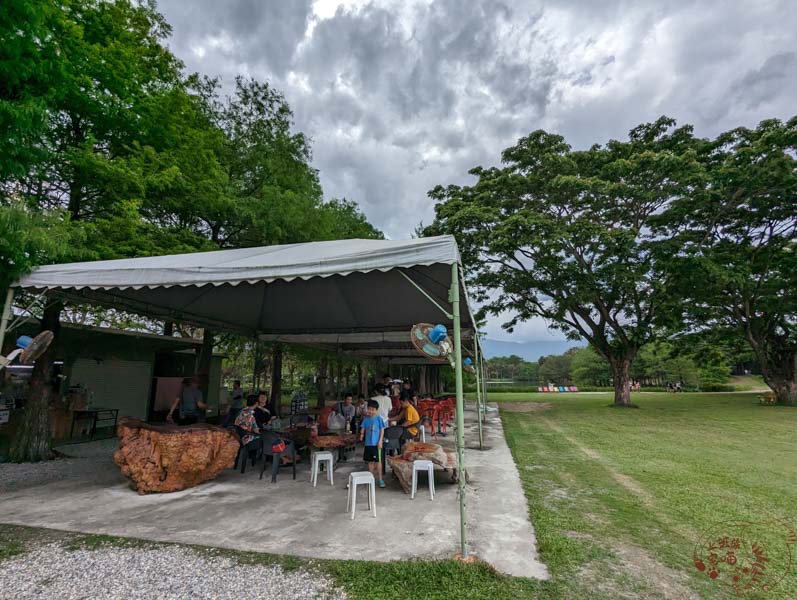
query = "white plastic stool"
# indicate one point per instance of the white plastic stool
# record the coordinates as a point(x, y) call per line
point(423, 465)
point(361, 478)
point(318, 458)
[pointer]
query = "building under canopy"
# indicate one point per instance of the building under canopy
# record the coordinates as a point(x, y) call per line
point(357, 297)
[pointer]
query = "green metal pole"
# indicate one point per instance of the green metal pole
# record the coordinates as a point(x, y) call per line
point(6, 316)
point(479, 407)
point(484, 392)
point(463, 534)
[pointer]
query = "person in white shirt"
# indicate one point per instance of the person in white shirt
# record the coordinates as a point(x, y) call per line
point(385, 404)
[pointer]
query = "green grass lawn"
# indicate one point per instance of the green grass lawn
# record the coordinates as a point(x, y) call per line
point(618, 498)
point(623, 495)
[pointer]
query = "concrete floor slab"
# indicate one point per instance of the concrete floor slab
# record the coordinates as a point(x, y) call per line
point(291, 517)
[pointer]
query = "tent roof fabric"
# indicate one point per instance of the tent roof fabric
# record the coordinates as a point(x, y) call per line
point(250, 265)
point(327, 288)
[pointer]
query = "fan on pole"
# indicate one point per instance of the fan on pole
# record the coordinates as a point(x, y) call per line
point(432, 341)
point(28, 349)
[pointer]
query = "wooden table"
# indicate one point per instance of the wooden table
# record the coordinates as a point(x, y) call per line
point(402, 465)
point(341, 442)
point(95, 414)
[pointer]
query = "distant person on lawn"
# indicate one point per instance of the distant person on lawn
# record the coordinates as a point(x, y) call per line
point(190, 404)
point(372, 432)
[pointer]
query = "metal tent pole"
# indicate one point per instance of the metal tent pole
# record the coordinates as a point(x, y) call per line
point(479, 405)
point(484, 390)
point(454, 293)
point(6, 316)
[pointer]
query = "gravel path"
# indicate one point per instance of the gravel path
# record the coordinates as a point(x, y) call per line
point(52, 571)
point(91, 459)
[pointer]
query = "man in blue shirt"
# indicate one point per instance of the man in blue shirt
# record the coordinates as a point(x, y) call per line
point(372, 430)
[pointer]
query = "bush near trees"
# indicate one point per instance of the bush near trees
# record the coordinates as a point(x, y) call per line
point(656, 364)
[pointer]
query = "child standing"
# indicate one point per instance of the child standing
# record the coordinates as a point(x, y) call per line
point(372, 431)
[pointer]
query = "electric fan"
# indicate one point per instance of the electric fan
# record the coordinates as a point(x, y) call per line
point(28, 349)
point(432, 341)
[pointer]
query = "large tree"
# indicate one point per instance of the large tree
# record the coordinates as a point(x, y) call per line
point(565, 235)
point(106, 144)
point(733, 258)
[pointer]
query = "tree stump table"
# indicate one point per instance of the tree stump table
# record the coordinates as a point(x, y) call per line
point(168, 458)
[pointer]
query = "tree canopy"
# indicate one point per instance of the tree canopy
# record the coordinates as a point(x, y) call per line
point(624, 243)
point(565, 235)
point(108, 149)
point(733, 254)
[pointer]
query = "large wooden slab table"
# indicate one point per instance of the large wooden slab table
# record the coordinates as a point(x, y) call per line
point(402, 465)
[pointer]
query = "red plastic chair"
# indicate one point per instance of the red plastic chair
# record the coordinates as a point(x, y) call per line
point(323, 416)
point(429, 412)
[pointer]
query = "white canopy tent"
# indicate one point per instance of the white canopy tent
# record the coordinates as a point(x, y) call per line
point(359, 297)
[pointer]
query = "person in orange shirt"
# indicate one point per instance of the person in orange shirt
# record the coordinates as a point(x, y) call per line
point(408, 418)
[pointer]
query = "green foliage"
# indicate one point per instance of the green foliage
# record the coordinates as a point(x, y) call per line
point(29, 68)
point(28, 239)
point(100, 122)
point(565, 235)
point(343, 220)
point(107, 150)
point(512, 368)
point(733, 257)
point(556, 369)
point(588, 368)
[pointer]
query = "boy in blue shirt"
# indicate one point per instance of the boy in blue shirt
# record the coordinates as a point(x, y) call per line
point(372, 430)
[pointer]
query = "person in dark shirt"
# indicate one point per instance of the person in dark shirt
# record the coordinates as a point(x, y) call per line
point(190, 404)
point(236, 403)
point(262, 413)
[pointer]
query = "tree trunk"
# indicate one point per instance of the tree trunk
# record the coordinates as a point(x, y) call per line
point(621, 368)
point(785, 392)
point(777, 357)
point(362, 379)
point(321, 382)
point(276, 380)
point(782, 380)
point(168, 328)
point(32, 441)
point(203, 362)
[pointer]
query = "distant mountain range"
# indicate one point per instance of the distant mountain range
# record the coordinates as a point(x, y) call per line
point(529, 351)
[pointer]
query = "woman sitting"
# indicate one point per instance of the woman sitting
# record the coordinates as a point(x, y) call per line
point(247, 421)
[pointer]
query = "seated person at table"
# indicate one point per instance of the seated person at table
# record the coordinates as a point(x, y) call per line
point(372, 431)
point(246, 420)
point(347, 410)
point(262, 413)
point(236, 403)
point(361, 409)
point(408, 418)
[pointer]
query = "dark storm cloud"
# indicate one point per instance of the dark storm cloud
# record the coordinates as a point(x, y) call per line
point(758, 86)
point(248, 33)
point(400, 96)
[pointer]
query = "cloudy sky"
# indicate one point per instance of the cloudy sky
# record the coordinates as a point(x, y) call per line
point(401, 96)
